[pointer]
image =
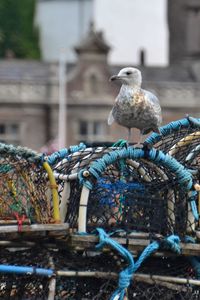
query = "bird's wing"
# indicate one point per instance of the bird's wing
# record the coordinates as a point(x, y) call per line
point(152, 97)
point(155, 104)
point(110, 118)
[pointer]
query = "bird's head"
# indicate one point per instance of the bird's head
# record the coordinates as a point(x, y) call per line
point(130, 76)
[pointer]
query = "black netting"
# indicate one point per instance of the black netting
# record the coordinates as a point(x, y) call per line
point(73, 205)
point(133, 195)
point(102, 289)
point(143, 287)
point(71, 166)
point(24, 286)
point(84, 288)
point(98, 285)
point(144, 291)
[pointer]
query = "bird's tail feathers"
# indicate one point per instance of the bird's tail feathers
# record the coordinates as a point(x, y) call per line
point(110, 118)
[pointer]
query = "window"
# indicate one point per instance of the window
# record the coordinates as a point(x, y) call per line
point(93, 84)
point(10, 133)
point(83, 128)
point(93, 131)
point(93, 79)
point(2, 128)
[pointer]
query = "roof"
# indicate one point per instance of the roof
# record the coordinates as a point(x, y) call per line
point(93, 42)
point(177, 73)
point(21, 70)
point(37, 71)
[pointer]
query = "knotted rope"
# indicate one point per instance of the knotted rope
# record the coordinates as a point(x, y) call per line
point(125, 276)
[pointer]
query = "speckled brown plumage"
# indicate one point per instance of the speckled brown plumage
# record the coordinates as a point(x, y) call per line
point(135, 107)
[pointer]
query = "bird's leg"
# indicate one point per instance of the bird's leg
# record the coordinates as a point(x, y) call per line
point(141, 140)
point(129, 135)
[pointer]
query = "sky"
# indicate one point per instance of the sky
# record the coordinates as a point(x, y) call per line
point(131, 25)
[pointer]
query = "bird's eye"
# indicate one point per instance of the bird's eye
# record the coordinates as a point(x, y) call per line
point(128, 73)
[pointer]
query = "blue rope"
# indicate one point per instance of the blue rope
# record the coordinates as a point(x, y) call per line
point(192, 199)
point(119, 185)
point(26, 270)
point(195, 122)
point(54, 157)
point(125, 276)
point(151, 248)
point(171, 243)
point(63, 153)
point(115, 188)
point(99, 166)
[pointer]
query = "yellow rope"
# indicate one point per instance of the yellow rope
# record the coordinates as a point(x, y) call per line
point(12, 187)
point(54, 188)
point(184, 142)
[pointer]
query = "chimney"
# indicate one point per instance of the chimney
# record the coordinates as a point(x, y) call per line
point(142, 57)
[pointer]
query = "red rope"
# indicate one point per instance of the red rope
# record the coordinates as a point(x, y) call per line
point(20, 220)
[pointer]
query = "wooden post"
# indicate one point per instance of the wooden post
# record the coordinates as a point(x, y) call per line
point(82, 216)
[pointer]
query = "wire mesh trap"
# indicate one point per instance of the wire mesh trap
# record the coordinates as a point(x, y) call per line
point(177, 138)
point(23, 286)
point(164, 277)
point(108, 213)
point(66, 167)
point(133, 192)
point(25, 187)
point(95, 275)
point(114, 188)
point(30, 286)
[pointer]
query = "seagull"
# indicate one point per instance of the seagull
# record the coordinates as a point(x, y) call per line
point(135, 107)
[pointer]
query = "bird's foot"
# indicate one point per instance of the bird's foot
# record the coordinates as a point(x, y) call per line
point(138, 145)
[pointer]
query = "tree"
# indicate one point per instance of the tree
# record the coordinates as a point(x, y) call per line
point(17, 32)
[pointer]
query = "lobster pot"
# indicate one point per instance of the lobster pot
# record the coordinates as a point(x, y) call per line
point(24, 186)
point(66, 170)
point(146, 285)
point(95, 275)
point(132, 193)
point(24, 286)
point(166, 278)
point(87, 276)
point(97, 288)
point(137, 205)
point(177, 138)
point(78, 281)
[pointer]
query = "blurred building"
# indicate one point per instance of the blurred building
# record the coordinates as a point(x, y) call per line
point(184, 23)
point(26, 89)
point(62, 24)
point(29, 91)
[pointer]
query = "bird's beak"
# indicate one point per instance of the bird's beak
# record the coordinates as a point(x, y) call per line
point(114, 77)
